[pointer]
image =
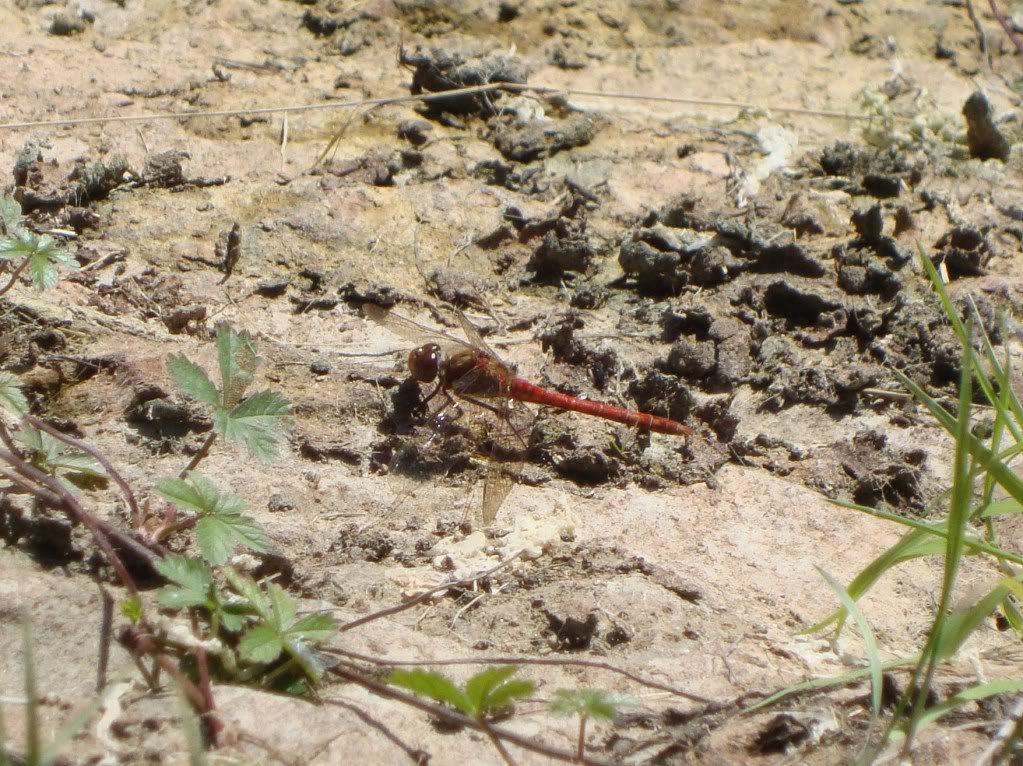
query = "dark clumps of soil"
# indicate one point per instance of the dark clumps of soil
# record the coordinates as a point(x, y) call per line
point(570, 633)
point(525, 141)
point(438, 69)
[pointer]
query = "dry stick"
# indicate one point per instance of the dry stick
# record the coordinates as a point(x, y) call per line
point(55, 500)
point(129, 496)
point(436, 96)
point(14, 277)
point(203, 451)
point(105, 629)
point(420, 597)
point(713, 705)
point(981, 34)
point(416, 755)
point(1007, 27)
point(75, 509)
point(450, 716)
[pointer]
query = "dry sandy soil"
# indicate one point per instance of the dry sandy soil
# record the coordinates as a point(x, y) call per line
point(692, 259)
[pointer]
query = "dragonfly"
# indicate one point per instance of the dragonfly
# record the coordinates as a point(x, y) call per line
point(469, 375)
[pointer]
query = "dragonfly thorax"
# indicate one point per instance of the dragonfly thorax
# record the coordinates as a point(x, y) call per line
point(425, 362)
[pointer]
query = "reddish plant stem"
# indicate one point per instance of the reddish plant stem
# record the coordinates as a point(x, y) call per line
point(129, 496)
point(213, 724)
point(77, 512)
point(14, 276)
point(1006, 27)
point(203, 451)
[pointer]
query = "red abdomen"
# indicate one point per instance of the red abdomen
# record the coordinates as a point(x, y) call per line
point(524, 391)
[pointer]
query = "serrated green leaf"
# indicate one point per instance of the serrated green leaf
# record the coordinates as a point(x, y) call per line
point(250, 592)
point(18, 245)
point(199, 495)
point(219, 535)
point(42, 268)
point(237, 357)
point(314, 628)
point(191, 582)
point(593, 703)
point(261, 644)
point(282, 606)
point(493, 689)
point(10, 214)
point(193, 380)
point(435, 686)
point(255, 423)
point(479, 688)
point(11, 397)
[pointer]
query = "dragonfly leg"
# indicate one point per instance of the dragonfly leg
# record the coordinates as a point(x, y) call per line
point(497, 411)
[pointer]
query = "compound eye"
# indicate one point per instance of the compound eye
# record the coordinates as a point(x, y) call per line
point(424, 363)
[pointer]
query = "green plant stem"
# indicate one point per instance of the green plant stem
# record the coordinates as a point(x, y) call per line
point(581, 744)
point(202, 452)
point(14, 276)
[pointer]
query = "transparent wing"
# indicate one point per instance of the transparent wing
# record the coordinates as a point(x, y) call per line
point(406, 328)
point(473, 334)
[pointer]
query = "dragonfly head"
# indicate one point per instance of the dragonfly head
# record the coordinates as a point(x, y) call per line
point(424, 363)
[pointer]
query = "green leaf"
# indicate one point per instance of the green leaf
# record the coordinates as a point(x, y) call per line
point(282, 607)
point(314, 628)
point(222, 526)
point(254, 422)
point(10, 214)
point(193, 380)
point(261, 644)
point(54, 456)
point(961, 623)
point(219, 535)
point(191, 582)
point(237, 357)
point(427, 683)
point(973, 694)
point(593, 703)
point(248, 590)
point(492, 689)
point(131, 609)
point(869, 642)
point(44, 265)
point(11, 397)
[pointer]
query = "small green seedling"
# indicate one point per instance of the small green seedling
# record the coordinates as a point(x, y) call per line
point(38, 253)
point(220, 524)
point(253, 421)
point(488, 693)
point(191, 585)
point(587, 703)
point(281, 632)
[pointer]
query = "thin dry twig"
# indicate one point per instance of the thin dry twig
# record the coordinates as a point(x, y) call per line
point(435, 96)
point(1006, 27)
point(423, 596)
point(417, 755)
point(14, 276)
point(129, 496)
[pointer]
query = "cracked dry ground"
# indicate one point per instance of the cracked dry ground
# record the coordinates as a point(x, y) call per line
point(632, 252)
